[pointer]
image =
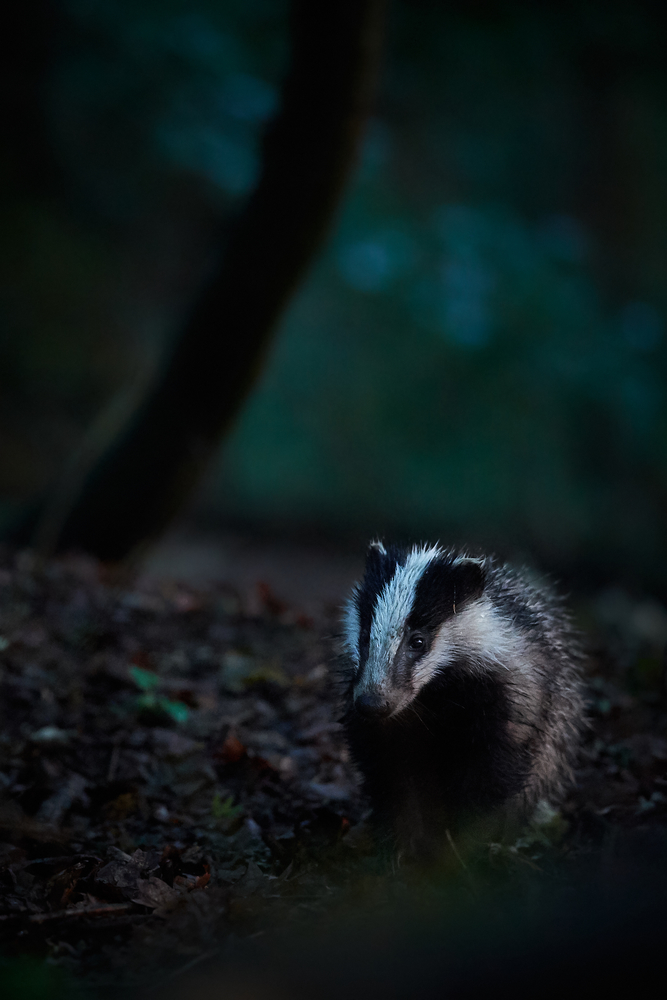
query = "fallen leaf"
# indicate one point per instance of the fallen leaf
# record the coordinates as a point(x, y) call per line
point(232, 750)
point(153, 892)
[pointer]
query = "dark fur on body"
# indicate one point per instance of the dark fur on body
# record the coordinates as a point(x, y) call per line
point(490, 725)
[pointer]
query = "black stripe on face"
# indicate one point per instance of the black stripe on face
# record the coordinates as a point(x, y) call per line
point(443, 588)
point(380, 568)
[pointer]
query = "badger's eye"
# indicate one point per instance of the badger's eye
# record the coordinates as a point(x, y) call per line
point(417, 642)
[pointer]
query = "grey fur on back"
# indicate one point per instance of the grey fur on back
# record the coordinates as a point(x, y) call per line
point(552, 689)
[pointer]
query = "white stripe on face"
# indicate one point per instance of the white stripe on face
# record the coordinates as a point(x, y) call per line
point(351, 626)
point(351, 620)
point(393, 605)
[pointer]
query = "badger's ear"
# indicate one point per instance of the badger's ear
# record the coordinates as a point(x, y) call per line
point(469, 580)
point(376, 555)
point(380, 567)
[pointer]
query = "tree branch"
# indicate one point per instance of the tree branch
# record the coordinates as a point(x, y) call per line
point(147, 475)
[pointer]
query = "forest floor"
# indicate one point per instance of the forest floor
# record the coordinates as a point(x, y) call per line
point(173, 778)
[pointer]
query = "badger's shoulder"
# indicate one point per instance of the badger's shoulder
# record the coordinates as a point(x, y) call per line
point(533, 606)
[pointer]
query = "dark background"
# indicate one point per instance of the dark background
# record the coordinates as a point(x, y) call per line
point(478, 354)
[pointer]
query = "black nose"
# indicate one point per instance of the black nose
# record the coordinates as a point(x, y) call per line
point(372, 706)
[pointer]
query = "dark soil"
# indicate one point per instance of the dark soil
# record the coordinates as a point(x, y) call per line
point(173, 778)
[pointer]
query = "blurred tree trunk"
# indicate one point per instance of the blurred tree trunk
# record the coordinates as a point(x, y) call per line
point(148, 473)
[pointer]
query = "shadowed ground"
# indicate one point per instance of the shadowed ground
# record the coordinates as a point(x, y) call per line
point(175, 783)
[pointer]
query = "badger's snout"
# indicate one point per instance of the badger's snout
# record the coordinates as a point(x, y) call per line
point(372, 705)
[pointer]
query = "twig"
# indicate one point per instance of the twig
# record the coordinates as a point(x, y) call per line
point(54, 862)
point(84, 911)
point(471, 883)
point(456, 853)
point(113, 762)
point(525, 861)
point(183, 969)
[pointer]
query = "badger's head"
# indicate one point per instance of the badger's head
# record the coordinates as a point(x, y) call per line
point(409, 618)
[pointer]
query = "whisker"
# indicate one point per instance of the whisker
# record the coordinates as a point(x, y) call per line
point(414, 711)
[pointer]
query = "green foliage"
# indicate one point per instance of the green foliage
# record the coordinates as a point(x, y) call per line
point(241, 671)
point(150, 702)
point(145, 679)
point(225, 809)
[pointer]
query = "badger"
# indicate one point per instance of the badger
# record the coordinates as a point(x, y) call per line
point(462, 685)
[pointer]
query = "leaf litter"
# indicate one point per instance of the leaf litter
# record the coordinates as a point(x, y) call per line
point(173, 777)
